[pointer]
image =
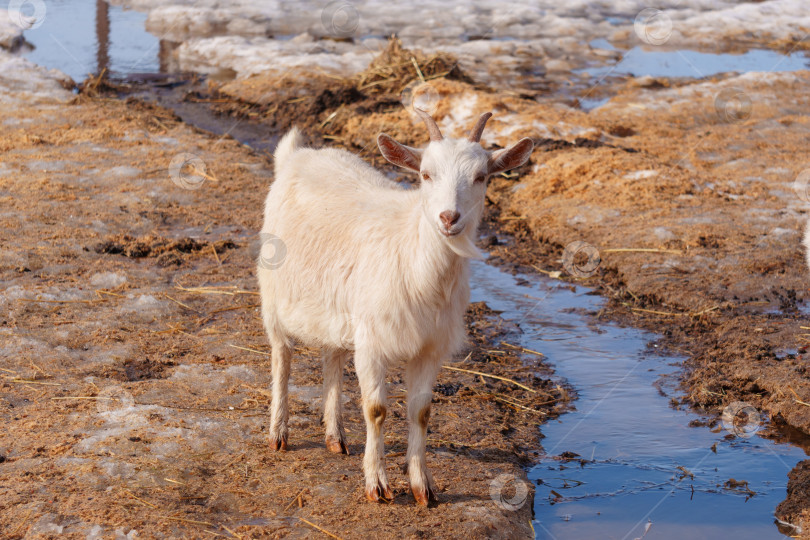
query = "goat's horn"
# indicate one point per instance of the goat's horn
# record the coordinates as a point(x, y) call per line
point(478, 128)
point(432, 126)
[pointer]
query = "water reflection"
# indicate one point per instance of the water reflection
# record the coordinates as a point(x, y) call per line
point(86, 37)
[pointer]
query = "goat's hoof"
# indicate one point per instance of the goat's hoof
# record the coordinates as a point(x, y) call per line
point(379, 492)
point(424, 496)
point(336, 445)
point(278, 443)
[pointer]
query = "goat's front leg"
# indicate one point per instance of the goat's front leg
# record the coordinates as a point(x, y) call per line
point(279, 409)
point(371, 375)
point(421, 376)
point(333, 362)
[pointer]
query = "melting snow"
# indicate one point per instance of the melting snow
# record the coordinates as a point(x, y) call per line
point(10, 32)
point(638, 175)
point(487, 36)
point(22, 82)
point(107, 280)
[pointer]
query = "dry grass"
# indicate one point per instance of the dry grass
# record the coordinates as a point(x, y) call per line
point(396, 67)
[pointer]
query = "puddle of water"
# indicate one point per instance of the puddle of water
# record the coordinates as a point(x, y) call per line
point(80, 37)
point(633, 440)
point(685, 63)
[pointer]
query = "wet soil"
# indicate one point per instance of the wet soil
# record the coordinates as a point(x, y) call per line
point(798, 492)
point(725, 278)
point(685, 189)
point(134, 386)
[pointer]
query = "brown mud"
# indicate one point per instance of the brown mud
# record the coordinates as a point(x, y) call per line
point(686, 195)
point(134, 387)
point(684, 187)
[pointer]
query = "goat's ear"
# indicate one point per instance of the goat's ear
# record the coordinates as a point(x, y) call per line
point(399, 154)
point(509, 158)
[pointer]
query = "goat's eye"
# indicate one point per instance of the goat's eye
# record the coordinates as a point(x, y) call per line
point(480, 177)
point(426, 177)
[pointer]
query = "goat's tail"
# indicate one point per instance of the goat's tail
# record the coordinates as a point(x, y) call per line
point(288, 144)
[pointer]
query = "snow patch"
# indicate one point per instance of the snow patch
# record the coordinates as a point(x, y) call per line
point(24, 83)
point(491, 39)
point(121, 535)
point(124, 171)
point(638, 175)
point(779, 231)
point(11, 35)
point(663, 234)
point(460, 118)
point(178, 23)
point(47, 524)
point(144, 308)
point(96, 532)
point(107, 280)
point(195, 375)
point(118, 470)
point(244, 57)
point(15, 292)
point(241, 372)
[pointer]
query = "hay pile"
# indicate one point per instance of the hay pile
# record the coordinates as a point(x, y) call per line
point(322, 104)
point(396, 67)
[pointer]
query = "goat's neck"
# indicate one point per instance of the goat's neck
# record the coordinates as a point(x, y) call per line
point(435, 265)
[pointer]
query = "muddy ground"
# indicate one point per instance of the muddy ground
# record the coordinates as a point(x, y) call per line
point(684, 188)
point(690, 195)
point(134, 383)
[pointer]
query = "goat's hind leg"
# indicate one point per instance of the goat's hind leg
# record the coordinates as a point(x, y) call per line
point(333, 362)
point(279, 409)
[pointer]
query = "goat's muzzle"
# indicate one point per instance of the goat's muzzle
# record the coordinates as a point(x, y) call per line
point(449, 218)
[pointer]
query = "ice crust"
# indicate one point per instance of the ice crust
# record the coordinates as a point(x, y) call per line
point(11, 35)
point(250, 36)
point(25, 83)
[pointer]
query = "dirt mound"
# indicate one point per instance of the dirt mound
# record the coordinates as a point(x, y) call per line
point(134, 370)
point(168, 252)
point(798, 493)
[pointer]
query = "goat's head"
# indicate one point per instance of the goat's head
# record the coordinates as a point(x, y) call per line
point(454, 173)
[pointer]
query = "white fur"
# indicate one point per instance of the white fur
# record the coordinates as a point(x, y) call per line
point(368, 269)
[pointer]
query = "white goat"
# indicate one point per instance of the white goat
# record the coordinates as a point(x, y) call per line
point(375, 269)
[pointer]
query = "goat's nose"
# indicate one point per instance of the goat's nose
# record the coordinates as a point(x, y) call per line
point(449, 218)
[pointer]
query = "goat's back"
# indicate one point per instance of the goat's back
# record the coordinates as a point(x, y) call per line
point(354, 259)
